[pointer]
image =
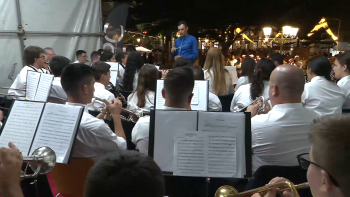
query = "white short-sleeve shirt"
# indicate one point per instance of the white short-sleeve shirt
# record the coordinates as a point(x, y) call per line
point(102, 93)
point(133, 100)
point(210, 77)
point(344, 84)
point(57, 90)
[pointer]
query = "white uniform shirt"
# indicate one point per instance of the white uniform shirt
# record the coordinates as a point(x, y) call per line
point(280, 135)
point(57, 90)
point(242, 95)
point(323, 96)
point(344, 84)
point(95, 139)
point(102, 93)
point(21, 81)
point(209, 77)
point(140, 132)
point(214, 103)
point(132, 101)
point(242, 81)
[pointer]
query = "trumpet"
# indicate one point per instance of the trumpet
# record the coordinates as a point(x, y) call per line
point(42, 161)
point(130, 116)
point(228, 191)
point(261, 101)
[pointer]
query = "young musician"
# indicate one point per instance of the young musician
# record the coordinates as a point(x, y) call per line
point(121, 58)
point(35, 61)
point(342, 72)
point(328, 168)
point(95, 57)
point(102, 76)
point(81, 57)
point(248, 66)
point(282, 134)
point(214, 101)
point(119, 172)
point(107, 57)
point(177, 92)
point(57, 64)
point(246, 94)
point(321, 94)
point(94, 138)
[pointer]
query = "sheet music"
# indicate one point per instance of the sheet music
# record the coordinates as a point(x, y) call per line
point(114, 77)
point(160, 101)
point(190, 153)
point(201, 154)
point(114, 65)
point(220, 122)
point(194, 100)
point(21, 125)
point(44, 87)
point(32, 84)
point(57, 130)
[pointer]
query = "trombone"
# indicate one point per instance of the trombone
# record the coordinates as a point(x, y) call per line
point(228, 191)
point(42, 161)
point(131, 116)
point(261, 101)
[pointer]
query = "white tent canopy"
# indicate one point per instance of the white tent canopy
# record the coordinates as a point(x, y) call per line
point(142, 49)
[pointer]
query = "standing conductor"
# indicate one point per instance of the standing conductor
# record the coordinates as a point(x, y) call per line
point(186, 45)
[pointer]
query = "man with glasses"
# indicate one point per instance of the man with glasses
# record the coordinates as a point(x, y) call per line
point(35, 61)
point(81, 57)
point(49, 54)
point(328, 162)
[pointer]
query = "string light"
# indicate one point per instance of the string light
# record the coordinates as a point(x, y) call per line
point(323, 24)
point(238, 30)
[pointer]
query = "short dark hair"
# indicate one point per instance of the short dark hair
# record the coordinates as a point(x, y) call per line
point(75, 75)
point(119, 56)
point(100, 68)
point(118, 174)
point(100, 51)
point(181, 62)
point(130, 49)
point(57, 64)
point(178, 84)
point(321, 66)
point(277, 57)
point(330, 140)
point(344, 59)
point(30, 53)
point(182, 23)
point(79, 53)
point(106, 56)
point(94, 55)
point(198, 72)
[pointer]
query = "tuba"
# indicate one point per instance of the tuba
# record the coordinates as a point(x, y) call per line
point(261, 101)
point(127, 115)
point(42, 161)
point(228, 191)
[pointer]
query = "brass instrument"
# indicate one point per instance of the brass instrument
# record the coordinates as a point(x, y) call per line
point(130, 116)
point(228, 191)
point(13, 95)
point(42, 161)
point(261, 101)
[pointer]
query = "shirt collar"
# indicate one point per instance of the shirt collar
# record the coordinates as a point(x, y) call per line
point(318, 78)
point(344, 79)
point(288, 106)
point(99, 85)
point(79, 105)
point(173, 108)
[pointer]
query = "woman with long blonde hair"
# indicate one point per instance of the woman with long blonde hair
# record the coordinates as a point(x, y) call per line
point(215, 72)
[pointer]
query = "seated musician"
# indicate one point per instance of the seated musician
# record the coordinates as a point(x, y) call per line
point(143, 98)
point(94, 138)
point(282, 134)
point(102, 76)
point(120, 172)
point(214, 101)
point(328, 163)
point(35, 61)
point(342, 72)
point(177, 92)
point(57, 64)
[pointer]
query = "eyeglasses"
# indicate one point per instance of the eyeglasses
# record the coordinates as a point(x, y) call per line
point(42, 57)
point(304, 162)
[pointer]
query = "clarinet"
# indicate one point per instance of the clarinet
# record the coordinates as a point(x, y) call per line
point(116, 93)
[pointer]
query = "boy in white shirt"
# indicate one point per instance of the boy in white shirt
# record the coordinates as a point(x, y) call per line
point(57, 94)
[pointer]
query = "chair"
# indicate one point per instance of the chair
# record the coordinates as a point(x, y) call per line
point(70, 178)
point(226, 102)
point(264, 174)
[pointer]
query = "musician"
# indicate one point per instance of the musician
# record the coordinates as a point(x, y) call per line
point(144, 96)
point(246, 94)
point(118, 174)
point(102, 75)
point(35, 61)
point(214, 101)
point(132, 68)
point(321, 95)
point(49, 54)
point(94, 138)
point(342, 72)
point(177, 92)
point(282, 134)
point(121, 58)
point(248, 66)
point(328, 170)
point(57, 64)
point(81, 57)
point(95, 56)
point(107, 57)
point(10, 171)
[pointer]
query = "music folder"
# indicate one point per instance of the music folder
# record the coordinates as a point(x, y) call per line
point(38, 86)
point(201, 144)
point(31, 125)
